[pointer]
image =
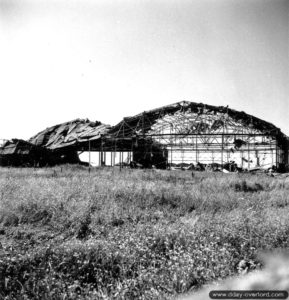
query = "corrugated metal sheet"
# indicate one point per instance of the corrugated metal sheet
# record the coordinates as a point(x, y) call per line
point(16, 146)
point(17, 152)
point(69, 134)
point(11, 149)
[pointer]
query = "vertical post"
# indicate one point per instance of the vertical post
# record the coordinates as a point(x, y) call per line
point(196, 149)
point(89, 157)
point(277, 153)
point(228, 152)
point(143, 114)
point(131, 154)
point(241, 153)
point(175, 143)
point(249, 153)
point(182, 154)
point(224, 127)
point(114, 153)
point(222, 150)
point(171, 139)
point(101, 153)
point(120, 160)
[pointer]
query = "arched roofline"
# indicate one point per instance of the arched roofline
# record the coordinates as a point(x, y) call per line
point(246, 119)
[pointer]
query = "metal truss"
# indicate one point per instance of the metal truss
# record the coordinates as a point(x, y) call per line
point(198, 133)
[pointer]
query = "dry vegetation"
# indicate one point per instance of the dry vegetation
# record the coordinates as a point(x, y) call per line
point(134, 234)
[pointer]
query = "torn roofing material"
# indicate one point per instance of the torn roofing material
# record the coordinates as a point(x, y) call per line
point(19, 147)
point(143, 122)
point(69, 134)
point(18, 152)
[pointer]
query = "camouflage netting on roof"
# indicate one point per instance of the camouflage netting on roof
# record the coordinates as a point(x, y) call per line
point(69, 134)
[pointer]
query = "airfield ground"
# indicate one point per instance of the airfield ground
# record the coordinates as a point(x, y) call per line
point(132, 234)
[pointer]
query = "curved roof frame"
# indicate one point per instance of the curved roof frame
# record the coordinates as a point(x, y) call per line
point(143, 123)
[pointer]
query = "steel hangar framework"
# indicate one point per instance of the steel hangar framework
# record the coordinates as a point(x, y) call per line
point(191, 133)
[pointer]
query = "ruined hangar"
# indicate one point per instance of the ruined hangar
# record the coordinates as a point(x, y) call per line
point(192, 133)
point(181, 134)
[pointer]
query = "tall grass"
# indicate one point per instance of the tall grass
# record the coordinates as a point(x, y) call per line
point(145, 234)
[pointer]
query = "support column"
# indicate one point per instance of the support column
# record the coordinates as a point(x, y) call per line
point(249, 153)
point(222, 151)
point(277, 153)
point(114, 153)
point(196, 149)
point(101, 154)
point(89, 157)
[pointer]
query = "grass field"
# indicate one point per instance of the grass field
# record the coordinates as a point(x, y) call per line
point(134, 234)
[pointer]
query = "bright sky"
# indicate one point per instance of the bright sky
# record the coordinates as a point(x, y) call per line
point(108, 59)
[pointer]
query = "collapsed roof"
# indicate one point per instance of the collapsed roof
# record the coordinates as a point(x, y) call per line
point(18, 152)
point(144, 122)
point(17, 146)
point(69, 134)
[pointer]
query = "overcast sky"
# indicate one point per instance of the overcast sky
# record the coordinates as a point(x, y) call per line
point(105, 60)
